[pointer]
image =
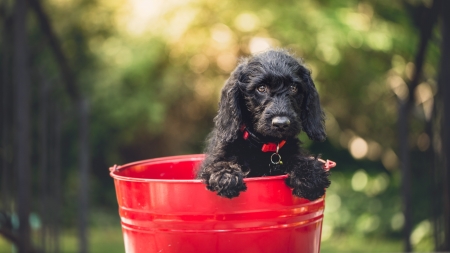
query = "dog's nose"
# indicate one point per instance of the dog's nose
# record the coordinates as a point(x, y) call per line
point(281, 122)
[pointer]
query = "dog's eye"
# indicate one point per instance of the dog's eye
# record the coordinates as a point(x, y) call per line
point(293, 89)
point(262, 88)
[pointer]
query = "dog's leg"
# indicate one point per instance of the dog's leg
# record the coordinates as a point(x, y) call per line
point(307, 178)
point(225, 178)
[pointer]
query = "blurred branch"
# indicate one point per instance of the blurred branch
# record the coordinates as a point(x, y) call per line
point(55, 46)
point(429, 19)
point(426, 28)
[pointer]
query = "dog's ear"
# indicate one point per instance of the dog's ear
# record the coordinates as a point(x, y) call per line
point(312, 116)
point(229, 118)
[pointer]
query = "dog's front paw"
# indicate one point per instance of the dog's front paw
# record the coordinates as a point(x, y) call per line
point(227, 180)
point(309, 183)
point(304, 189)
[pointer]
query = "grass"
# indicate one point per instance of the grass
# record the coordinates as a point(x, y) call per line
point(101, 240)
point(356, 243)
point(109, 239)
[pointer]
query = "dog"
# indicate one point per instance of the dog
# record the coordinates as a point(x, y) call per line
point(266, 102)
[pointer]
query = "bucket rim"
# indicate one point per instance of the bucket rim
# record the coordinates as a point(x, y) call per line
point(193, 157)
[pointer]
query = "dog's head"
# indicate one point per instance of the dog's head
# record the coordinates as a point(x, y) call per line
point(273, 94)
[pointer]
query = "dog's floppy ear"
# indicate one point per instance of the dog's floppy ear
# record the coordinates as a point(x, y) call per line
point(312, 116)
point(229, 118)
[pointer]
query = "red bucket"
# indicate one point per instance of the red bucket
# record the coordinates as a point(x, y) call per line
point(164, 209)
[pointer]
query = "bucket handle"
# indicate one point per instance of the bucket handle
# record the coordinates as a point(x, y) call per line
point(114, 168)
point(328, 164)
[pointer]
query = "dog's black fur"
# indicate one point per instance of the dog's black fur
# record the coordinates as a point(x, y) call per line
point(267, 85)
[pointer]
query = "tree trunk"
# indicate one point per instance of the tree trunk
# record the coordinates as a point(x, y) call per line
point(83, 108)
point(22, 150)
point(434, 170)
point(57, 180)
point(43, 156)
point(444, 85)
point(406, 173)
point(6, 171)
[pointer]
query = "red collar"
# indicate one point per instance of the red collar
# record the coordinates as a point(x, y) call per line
point(266, 147)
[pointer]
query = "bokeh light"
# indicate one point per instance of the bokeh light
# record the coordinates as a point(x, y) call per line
point(358, 147)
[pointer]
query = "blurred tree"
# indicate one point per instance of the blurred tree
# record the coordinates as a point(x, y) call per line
point(22, 106)
point(427, 22)
point(444, 84)
point(82, 108)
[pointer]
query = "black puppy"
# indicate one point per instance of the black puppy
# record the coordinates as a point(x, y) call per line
point(268, 99)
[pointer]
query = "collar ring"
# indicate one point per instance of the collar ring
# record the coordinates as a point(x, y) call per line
point(277, 161)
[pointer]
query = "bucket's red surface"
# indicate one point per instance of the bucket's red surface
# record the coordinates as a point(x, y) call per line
point(163, 209)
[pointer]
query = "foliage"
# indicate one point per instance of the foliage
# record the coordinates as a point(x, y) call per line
point(153, 71)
